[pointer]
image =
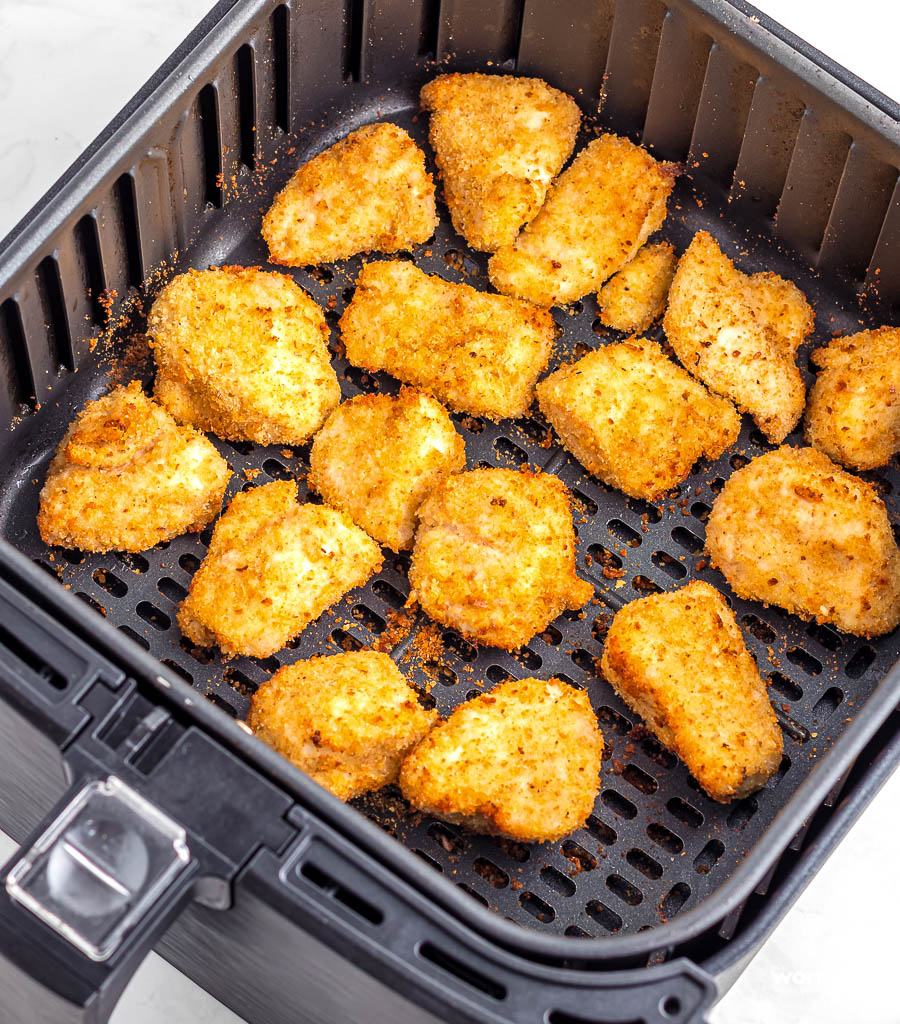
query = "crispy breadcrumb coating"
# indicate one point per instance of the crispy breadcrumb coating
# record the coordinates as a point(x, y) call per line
point(635, 419)
point(378, 457)
point(635, 298)
point(498, 141)
point(126, 476)
point(347, 720)
point(494, 555)
point(272, 567)
point(679, 660)
point(793, 529)
point(853, 413)
point(477, 352)
point(739, 334)
point(370, 191)
point(598, 213)
point(242, 353)
point(521, 761)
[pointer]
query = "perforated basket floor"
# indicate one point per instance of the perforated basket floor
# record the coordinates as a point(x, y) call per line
point(655, 844)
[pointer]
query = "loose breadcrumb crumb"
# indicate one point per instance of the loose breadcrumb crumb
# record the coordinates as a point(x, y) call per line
point(126, 476)
point(853, 413)
point(680, 661)
point(634, 418)
point(370, 191)
point(347, 720)
point(499, 141)
point(794, 529)
point(598, 213)
point(521, 761)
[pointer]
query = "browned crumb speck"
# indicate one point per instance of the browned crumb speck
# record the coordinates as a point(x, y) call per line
point(521, 761)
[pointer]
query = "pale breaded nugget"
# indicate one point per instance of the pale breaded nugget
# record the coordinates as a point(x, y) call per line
point(499, 141)
point(680, 661)
point(272, 567)
point(635, 298)
point(242, 353)
point(494, 555)
point(853, 413)
point(479, 353)
point(368, 191)
point(739, 334)
point(347, 720)
point(378, 457)
point(126, 477)
point(521, 761)
point(598, 213)
point(793, 529)
point(635, 419)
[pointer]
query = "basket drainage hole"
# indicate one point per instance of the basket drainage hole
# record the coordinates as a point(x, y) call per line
point(583, 504)
point(674, 900)
point(190, 563)
point(608, 919)
point(618, 804)
point(175, 592)
point(624, 533)
point(136, 637)
point(374, 623)
point(684, 812)
point(708, 856)
point(345, 640)
point(509, 452)
point(557, 881)
point(136, 563)
point(664, 838)
point(861, 662)
point(538, 909)
point(490, 872)
point(644, 863)
point(828, 703)
point(626, 892)
point(220, 702)
point(669, 565)
point(786, 687)
point(390, 595)
point(797, 656)
point(110, 582)
point(578, 857)
point(670, 1006)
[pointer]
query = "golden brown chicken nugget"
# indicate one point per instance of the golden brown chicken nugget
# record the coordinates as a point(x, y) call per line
point(680, 661)
point(479, 353)
point(378, 457)
point(368, 191)
point(598, 213)
point(635, 298)
point(739, 334)
point(853, 413)
point(126, 476)
point(347, 720)
point(272, 567)
point(494, 555)
point(521, 761)
point(242, 353)
point(635, 419)
point(499, 141)
point(793, 529)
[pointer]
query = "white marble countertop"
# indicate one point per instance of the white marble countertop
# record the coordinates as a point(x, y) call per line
point(66, 67)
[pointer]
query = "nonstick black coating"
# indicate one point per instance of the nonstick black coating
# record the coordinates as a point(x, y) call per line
point(655, 844)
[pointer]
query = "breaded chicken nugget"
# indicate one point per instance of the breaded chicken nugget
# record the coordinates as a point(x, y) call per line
point(521, 761)
point(598, 213)
point(378, 457)
point(793, 529)
point(368, 191)
point(126, 477)
point(347, 720)
point(494, 555)
point(477, 352)
point(739, 334)
point(636, 297)
point(242, 353)
point(499, 141)
point(680, 661)
point(635, 419)
point(272, 567)
point(853, 413)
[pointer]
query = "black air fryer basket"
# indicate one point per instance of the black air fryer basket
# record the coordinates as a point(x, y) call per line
point(282, 902)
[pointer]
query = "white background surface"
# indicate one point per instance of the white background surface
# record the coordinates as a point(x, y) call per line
point(66, 67)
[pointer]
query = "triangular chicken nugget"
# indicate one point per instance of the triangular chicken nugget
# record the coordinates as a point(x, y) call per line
point(739, 334)
point(598, 213)
point(499, 141)
point(368, 191)
point(520, 761)
point(126, 477)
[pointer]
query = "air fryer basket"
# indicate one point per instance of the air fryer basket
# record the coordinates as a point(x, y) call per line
point(790, 169)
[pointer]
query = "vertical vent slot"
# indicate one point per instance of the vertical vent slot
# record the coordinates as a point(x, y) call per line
point(353, 49)
point(463, 972)
point(208, 105)
point(246, 83)
point(60, 336)
point(87, 238)
point(429, 28)
point(126, 193)
point(22, 389)
point(281, 44)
